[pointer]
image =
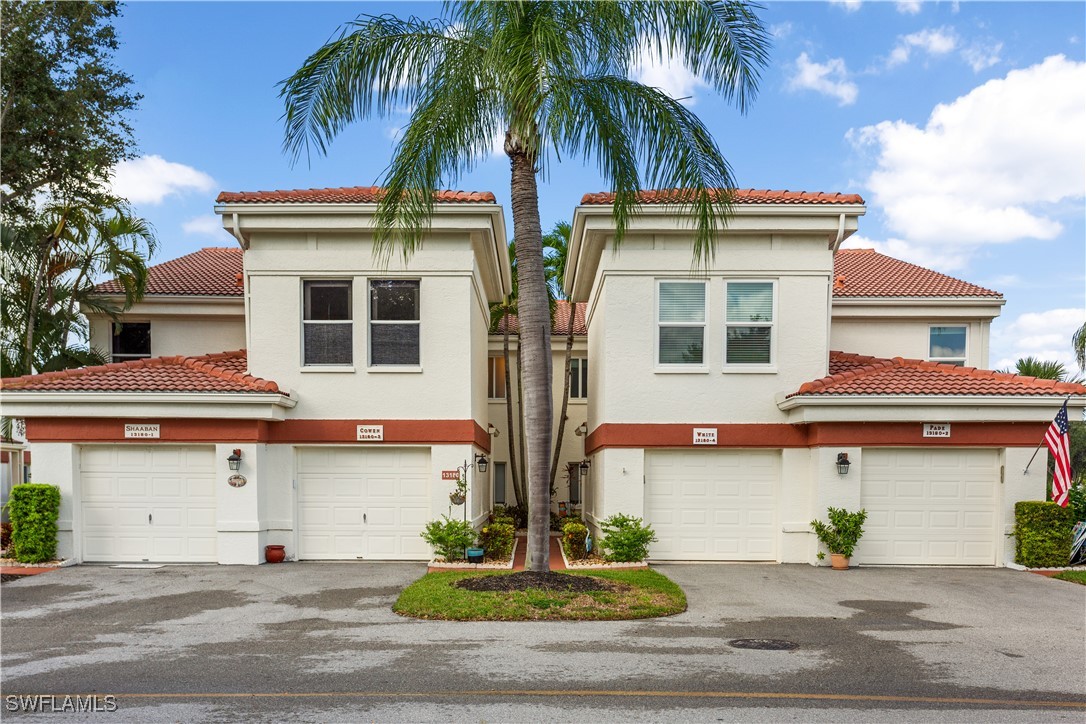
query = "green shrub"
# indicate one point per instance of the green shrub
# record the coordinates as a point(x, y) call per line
point(519, 514)
point(557, 521)
point(625, 538)
point(843, 532)
point(500, 514)
point(449, 537)
point(34, 509)
point(1042, 534)
point(1076, 501)
point(574, 533)
point(497, 539)
point(5, 535)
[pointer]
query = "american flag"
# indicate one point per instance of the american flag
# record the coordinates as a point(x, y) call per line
point(1057, 441)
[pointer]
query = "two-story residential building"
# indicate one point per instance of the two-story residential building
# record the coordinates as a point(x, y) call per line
point(711, 402)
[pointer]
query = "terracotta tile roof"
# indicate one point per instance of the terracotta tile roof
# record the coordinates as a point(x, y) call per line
point(344, 195)
point(222, 372)
point(739, 196)
point(210, 272)
point(560, 321)
point(866, 273)
point(853, 374)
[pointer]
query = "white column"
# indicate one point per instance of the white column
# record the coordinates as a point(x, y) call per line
point(238, 514)
point(57, 463)
point(1020, 484)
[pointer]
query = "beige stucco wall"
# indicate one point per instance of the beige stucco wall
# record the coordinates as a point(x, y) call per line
point(909, 338)
point(186, 335)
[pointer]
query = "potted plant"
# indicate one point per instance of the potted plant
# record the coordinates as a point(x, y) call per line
point(840, 535)
point(460, 493)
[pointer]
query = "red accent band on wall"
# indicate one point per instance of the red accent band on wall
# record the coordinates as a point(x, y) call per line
point(821, 434)
point(93, 429)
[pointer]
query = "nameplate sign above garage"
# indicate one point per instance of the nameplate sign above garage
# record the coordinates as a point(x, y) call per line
point(131, 430)
point(936, 429)
point(705, 436)
point(371, 433)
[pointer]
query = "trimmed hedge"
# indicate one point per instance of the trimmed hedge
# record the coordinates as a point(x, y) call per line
point(625, 538)
point(574, 534)
point(34, 509)
point(497, 539)
point(1042, 534)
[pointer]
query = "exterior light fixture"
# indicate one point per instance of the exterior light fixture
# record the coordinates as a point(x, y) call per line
point(842, 463)
point(481, 462)
point(491, 430)
point(581, 430)
point(584, 466)
point(235, 459)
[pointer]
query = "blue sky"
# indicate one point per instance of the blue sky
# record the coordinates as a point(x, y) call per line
point(961, 124)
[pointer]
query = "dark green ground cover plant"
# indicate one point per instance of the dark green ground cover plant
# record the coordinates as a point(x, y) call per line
point(619, 595)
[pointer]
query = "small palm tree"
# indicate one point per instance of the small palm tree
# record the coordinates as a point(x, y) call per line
point(553, 80)
point(1044, 369)
point(1078, 343)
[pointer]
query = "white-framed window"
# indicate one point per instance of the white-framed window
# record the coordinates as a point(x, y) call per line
point(499, 483)
point(394, 322)
point(947, 343)
point(327, 326)
point(750, 319)
point(495, 378)
point(578, 378)
point(131, 340)
point(681, 311)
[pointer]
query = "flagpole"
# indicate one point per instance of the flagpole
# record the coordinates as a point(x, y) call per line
point(1042, 442)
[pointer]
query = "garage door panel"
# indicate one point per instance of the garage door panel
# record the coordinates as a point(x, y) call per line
point(934, 506)
point(148, 503)
point(362, 502)
point(712, 504)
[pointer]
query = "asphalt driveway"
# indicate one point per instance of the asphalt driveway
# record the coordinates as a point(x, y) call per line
point(318, 642)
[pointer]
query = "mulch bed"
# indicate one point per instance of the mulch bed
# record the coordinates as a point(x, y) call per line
point(526, 580)
point(5, 577)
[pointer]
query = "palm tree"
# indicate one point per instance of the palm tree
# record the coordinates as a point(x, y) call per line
point(557, 242)
point(1078, 343)
point(553, 80)
point(1044, 369)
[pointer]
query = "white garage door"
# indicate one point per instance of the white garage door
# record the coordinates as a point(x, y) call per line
point(930, 506)
point(363, 503)
point(148, 503)
point(715, 505)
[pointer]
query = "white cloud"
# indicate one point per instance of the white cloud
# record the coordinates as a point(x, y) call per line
point(206, 225)
point(996, 165)
point(908, 7)
point(942, 259)
point(932, 41)
point(781, 30)
point(150, 179)
point(1044, 335)
point(661, 70)
point(829, 78)
point(980, 56)
point(849, 6)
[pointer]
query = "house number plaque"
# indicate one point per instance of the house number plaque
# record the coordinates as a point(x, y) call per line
point(936, 429)
point(371, 433)
point(237, 481)
point(705, 436)
point(131, 431)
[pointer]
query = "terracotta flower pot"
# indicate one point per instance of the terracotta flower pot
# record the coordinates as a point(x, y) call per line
point(839, 562)
point(275, 554)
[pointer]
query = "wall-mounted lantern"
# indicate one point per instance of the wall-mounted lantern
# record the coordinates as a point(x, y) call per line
point(585, 465)
point(491, 430)
point(481, 462)
point(234, 461)
point(842, 463)
point(581, 430)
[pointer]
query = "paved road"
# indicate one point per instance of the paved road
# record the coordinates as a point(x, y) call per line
point(318, 642)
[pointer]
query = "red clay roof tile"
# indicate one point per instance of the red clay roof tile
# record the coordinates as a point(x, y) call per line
point(210, 272)
point(853, 374)
point(866, 273)
point(738, 196)
point(559, 322)
point(343, 195)
point(221, 372)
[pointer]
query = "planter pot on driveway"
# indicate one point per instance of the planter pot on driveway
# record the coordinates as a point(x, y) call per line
point(839, 562)
point(275, 554)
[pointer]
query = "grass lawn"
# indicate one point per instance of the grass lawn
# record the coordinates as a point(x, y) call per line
point(638, 593)
point(1073, 576)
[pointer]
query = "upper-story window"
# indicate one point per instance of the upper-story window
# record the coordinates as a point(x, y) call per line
point(680, 321)
point(578, 378)
point(327, 329)
point(947, 344)
point(495, 378)
point(749, 318)
point(131, 340)
point(394, 322)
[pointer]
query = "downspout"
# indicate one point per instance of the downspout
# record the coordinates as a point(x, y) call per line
point(840, 233)
point(829, 291)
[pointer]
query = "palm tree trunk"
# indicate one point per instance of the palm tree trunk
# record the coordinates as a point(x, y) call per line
point(518, 491)
point(520, 422)
point(565, 400)
point(534, 355)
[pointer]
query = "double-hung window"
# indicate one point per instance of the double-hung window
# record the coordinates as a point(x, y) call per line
point(327, 329)
point(947, 344)
point(131, 340)
point(394, 322)
point(749, 320)
point(578, 378)
point(680, 321)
